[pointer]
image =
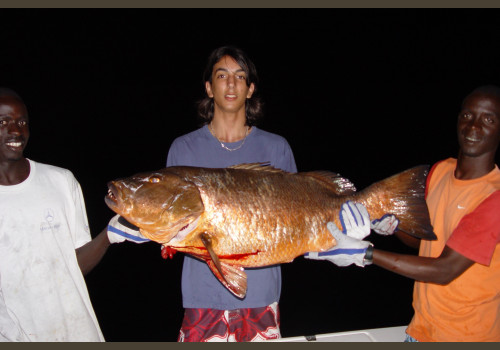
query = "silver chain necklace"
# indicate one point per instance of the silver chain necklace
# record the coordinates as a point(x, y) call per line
point(222, 144)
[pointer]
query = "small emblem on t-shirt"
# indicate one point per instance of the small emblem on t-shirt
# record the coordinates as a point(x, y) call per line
point(49, 223)
point(49, 215)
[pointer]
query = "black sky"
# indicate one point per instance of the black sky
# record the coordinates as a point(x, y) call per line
point(363, 92)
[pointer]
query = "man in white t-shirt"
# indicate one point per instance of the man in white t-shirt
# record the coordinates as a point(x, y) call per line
point(45, 242)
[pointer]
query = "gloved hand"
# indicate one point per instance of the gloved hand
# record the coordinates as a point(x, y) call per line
point(349, 250)
point(386, 225)
point(355, 220)
point(120, 230)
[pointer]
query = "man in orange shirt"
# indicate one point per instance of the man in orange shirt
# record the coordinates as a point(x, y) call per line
point(457, 289)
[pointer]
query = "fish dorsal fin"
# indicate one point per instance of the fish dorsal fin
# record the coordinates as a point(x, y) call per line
point(234, 278)
point(340, 185)
point(257, 166)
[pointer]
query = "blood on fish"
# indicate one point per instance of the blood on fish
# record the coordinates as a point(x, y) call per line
point(239, 256)
point(167, 252)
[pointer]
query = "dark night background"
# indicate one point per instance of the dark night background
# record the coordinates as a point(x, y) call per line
point(363, 92)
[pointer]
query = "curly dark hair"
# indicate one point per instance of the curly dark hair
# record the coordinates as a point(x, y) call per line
point(253, 105)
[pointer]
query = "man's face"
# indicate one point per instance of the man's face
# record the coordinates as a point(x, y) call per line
point(14, 131)
point(478, 126)
point(229, 86)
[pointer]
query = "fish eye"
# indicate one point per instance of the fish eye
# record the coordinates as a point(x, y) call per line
point(154, 180)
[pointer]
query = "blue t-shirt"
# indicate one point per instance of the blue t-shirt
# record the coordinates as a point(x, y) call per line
point(200, 288)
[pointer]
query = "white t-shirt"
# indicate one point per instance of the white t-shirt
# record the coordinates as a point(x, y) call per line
point(43, 295)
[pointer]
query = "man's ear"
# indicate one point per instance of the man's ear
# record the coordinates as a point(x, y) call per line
point(251, 89)
point(208, 89)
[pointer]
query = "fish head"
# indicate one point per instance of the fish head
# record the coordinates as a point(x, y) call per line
point(161, 204)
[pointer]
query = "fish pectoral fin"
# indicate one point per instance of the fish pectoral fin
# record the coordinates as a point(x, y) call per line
point(232, 277)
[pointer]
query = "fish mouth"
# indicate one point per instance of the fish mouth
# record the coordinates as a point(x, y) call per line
point(110, 199)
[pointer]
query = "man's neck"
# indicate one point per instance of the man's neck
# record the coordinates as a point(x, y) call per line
point(227, 128)
point(469, 168)
point(14, 172)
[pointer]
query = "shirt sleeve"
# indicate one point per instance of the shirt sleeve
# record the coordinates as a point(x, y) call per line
point(285, 159)
point(172, 154)
point(81, 234)
point(428, 180)
point(478, 233)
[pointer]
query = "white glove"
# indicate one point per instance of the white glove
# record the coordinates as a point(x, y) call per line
point(349, 250)
point(120, 230)
point(386, 225)
point(355, 220)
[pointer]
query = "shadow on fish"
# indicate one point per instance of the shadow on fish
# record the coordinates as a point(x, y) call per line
point(253, 215)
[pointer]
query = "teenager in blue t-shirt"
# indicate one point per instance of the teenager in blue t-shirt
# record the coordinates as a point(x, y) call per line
point(229, 137)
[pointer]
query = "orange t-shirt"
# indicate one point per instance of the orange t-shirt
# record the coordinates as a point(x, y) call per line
point(465, 215)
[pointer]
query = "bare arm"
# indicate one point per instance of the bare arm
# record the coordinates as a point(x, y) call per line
point(408, 240)
point(91, 253)
point(441, 270)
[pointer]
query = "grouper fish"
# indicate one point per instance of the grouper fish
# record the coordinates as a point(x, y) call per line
point(254, 215)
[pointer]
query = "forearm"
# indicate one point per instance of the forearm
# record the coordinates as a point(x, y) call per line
point(91, 253)
point(440, 270)
point(407, 239)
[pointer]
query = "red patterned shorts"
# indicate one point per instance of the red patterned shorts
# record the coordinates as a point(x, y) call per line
point(240, 325)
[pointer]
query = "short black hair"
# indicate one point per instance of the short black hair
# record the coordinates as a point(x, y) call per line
point(253, 105)
point(4, 91)
point(490, 90)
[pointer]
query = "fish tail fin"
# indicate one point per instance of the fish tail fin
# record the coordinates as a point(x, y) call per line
point(403, 195)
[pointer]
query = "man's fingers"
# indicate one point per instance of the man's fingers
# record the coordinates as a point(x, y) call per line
point(334, 230)
point(363, 213)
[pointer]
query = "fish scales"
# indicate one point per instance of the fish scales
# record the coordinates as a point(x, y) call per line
point(249, 213)
point(252, 215)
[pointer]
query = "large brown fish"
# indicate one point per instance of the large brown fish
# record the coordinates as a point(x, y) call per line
point(253, 215)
